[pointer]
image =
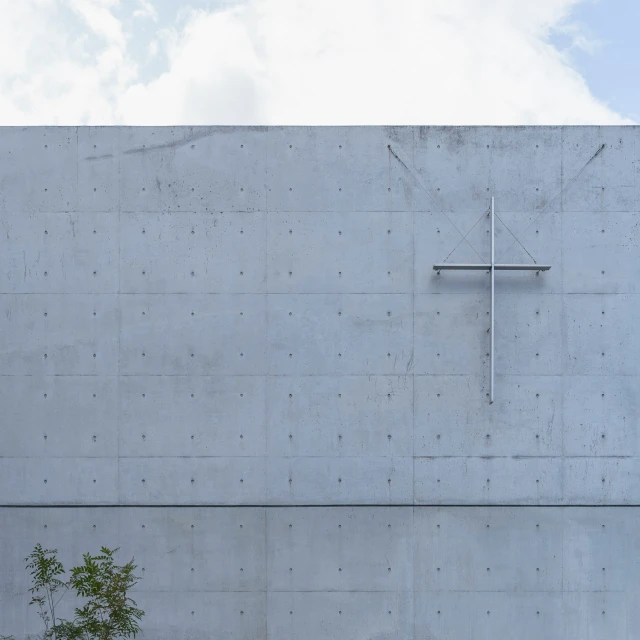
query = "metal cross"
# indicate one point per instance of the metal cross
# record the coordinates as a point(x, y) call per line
point(492, 268)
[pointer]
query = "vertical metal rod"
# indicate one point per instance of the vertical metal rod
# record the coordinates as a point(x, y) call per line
point(492, 327)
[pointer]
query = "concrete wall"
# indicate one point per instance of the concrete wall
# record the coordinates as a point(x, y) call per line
point(225, 349)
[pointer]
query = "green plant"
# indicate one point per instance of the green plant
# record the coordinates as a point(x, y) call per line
point(108, 613)
point(46, 586)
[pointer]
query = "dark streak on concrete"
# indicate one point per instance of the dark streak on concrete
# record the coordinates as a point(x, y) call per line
point(103, 157)
point(189, 139)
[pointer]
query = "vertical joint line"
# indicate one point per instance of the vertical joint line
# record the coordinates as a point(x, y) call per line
point(492, 319)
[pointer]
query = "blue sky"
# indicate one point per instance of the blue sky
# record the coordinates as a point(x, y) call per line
point(612, 67)
point(319, 62)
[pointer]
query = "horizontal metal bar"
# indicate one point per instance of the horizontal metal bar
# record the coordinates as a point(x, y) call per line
point(466, 267)
point(522, 267)
point(487, 267)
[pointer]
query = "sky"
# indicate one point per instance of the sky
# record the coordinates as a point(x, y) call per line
point(319, 62)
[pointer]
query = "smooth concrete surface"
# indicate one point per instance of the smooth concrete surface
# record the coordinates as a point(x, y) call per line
point(351, 572)
point(241, 325)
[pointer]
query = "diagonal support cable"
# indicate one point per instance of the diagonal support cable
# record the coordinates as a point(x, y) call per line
point(412, 174)
point(545, 210)
point(515, 238)
point(465, 236)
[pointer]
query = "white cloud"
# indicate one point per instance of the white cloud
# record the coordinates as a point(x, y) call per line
point(306, 62)
point(63, 62)
point(98, 16)
point(214, 76)
point(146, 10)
